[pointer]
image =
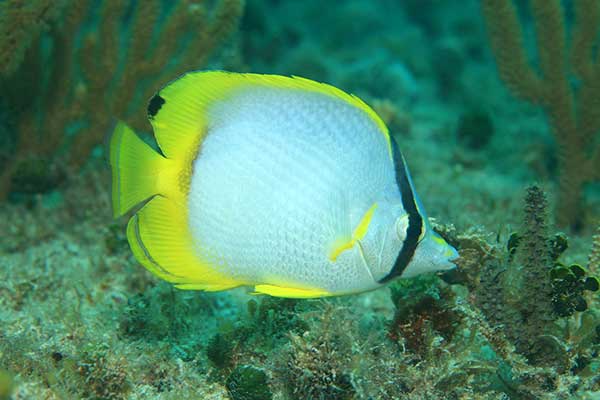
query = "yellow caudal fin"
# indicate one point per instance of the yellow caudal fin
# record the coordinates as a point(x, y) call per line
point(136, 169)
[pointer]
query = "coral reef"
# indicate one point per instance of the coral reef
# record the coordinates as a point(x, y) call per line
point(535, 268)
point(105, 377)
point(21, 23)
point(318, 365)
point(572, 108)
point(518, 295)
point(90, 77)
point(219, 350)
point(528, 297)
point(111, 332)
point(248, 383)
point(568, 287)
point(518, 318)
point(594, 257)
point(418, 319)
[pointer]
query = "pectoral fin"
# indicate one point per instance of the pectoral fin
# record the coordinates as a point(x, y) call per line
point(344, 242)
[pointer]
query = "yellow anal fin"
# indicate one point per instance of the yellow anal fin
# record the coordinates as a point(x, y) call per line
point(341, 244)
point(141, 253)
point(161, 241)
point(206, 287)
point(295, 293)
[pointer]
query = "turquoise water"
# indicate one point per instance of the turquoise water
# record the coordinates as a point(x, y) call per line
point(493, 106)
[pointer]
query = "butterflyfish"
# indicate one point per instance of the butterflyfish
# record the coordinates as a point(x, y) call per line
point(283, 184)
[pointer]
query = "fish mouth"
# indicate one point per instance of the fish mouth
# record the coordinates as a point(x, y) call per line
point(449, 265)
point(451, 262)
point(451, 254)
point(448, 261)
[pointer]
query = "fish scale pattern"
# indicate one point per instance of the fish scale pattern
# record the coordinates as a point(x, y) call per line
point(279, 175)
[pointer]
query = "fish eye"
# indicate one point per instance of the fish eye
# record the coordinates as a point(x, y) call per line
point(401, 227)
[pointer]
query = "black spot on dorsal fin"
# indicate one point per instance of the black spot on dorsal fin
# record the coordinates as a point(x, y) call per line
point(154, 105)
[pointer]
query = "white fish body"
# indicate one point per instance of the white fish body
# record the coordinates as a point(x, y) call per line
point(290, 186)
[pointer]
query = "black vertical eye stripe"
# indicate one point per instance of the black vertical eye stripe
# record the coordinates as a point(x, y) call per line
point(415, 220)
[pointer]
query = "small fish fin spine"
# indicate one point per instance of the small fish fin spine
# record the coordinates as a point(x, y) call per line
point(136, 170)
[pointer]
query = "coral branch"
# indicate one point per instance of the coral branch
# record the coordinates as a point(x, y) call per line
point(585, 35)
point(506, 41)
point(594, 257)
point(21, 23)
point(536, 261)
point(105, 61)
point(574, 113)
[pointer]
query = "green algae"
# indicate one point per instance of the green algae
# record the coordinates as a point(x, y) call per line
point(219, 349)
point(248, 383)
point(7, 385)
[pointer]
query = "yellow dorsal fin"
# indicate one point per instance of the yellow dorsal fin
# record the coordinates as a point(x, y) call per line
point(178, 112)
point(281, 291)
point(344, 243)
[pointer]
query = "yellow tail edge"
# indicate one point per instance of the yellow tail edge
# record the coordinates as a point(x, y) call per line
point(135, 167)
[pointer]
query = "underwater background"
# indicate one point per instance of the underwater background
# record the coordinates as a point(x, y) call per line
point(496, 107)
